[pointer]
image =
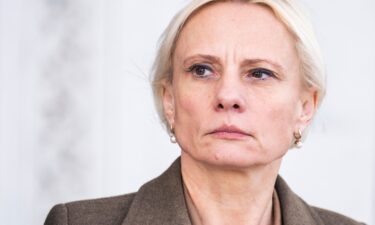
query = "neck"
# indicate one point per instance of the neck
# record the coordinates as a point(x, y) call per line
point(230, 196)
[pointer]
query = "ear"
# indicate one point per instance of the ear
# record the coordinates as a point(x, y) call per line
point(309, 104)
point(168, 102)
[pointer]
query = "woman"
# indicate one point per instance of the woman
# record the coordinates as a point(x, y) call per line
point(237, 84)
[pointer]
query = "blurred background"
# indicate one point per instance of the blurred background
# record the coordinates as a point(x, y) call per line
point(77, 117)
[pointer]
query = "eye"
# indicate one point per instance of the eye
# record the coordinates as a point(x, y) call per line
point(200, 70)
point(261, 73)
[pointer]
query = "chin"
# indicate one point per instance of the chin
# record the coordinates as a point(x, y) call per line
point(233, 157)
point(236, 159)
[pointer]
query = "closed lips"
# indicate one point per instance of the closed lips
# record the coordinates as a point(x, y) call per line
point(230, 129)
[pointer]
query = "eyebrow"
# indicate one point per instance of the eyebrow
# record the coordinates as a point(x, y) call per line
point(258, 60)
point(210, 58)
point(245, 62)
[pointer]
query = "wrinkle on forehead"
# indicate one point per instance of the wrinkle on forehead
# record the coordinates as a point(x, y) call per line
point(233, 31)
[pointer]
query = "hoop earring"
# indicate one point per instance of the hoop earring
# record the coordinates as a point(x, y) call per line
point(298, 136)
point(172, 137)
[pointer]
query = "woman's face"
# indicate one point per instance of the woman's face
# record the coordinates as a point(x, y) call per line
point(237, 94)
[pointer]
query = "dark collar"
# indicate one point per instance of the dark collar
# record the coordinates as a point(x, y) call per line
point(161, 202)
point(294, 210)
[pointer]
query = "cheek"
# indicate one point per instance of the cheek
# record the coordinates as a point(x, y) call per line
point(191, 109)
point(192, 103)
point(282, 119)
point(189, 119)
point(186, 107)
point(277, 124)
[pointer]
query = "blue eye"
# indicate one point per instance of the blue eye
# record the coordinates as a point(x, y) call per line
point(261, 73)
point(200, 70)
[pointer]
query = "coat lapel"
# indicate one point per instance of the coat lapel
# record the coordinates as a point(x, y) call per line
point(293, 209)
point(160, 201)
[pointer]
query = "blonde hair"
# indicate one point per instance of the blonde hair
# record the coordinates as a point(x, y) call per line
point(286, 11)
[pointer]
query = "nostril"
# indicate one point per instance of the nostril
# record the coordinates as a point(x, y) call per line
point(234, 106)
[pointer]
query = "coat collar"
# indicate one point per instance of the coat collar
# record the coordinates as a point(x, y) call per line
point(161, 201)
point(294, 210)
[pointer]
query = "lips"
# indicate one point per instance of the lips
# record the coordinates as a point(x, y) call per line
point(230, 132)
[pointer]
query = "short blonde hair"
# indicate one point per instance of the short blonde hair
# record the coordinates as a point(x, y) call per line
point(287, 11)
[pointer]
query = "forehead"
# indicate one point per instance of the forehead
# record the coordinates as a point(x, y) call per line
point(240, 29)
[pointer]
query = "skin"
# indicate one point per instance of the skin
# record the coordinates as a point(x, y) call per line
point(236, 99)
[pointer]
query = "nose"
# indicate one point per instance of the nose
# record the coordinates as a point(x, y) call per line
point(229, 95)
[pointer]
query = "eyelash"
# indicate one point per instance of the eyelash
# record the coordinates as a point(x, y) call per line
point(193, 69)
point(267, 72)
point(253, 73)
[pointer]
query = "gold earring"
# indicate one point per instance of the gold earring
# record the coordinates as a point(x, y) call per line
point(298, 136)
point(172, 137)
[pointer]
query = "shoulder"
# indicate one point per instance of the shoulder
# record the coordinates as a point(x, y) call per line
point(330, 217)
point(111, 210)
point(296, 211)
point(159, 201)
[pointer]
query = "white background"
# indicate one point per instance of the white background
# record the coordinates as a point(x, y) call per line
point(77, 118)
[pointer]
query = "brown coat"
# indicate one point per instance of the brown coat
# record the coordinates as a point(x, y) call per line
point(161, 202)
